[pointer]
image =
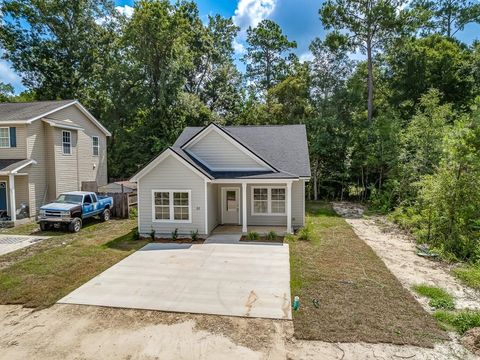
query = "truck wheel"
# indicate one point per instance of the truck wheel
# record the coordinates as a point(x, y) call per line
point(75, 225)
point(45, 226)
point(105, 215)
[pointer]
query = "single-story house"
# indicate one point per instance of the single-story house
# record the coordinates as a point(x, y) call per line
point(236, 175)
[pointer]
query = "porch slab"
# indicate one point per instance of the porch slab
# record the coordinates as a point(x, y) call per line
point(247, 280)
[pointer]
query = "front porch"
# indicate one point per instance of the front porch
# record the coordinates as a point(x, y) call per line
point(239, 206)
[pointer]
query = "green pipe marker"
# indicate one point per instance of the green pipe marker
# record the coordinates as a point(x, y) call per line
point(296, 303)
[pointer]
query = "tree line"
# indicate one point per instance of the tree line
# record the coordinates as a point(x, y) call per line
point(399, 129)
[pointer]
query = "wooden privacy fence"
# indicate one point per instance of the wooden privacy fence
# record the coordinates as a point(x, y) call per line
point(122, 202)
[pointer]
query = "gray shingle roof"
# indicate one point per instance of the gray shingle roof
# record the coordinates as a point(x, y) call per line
point(284, 147)
point(11, 164)
point(23, 111)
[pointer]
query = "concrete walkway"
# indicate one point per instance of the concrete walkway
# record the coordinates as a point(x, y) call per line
point(251, 280)
point(9, 243)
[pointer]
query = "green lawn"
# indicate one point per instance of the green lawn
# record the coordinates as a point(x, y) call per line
point(40, 276)
point(357, 297)
point(469, 274)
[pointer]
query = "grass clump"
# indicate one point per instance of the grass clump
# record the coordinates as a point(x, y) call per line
point(439, 298)
point(272, 235)
point(469, 274)
point(460, 321)
point(306, 232)
point(194, 235)
point(253, 236)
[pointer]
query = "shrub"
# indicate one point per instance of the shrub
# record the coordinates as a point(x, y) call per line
point(461, 321)
point(252, 235)
point(306, 232)
point(175, 234)
point(194, 235)
point(152, 234)
point(439, 298)
point(133, 213)
point(136, 234)
point(272, 235)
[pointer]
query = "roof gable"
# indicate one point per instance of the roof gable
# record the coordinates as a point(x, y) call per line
point(28, 112)
point(285, 147)
point(218, 151)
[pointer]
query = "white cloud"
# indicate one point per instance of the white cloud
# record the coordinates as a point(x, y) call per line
point(251, 12)
point(125, 10)
point(306, 56)
point(238, 47)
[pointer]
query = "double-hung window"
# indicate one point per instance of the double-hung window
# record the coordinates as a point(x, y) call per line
point(172, 205)
point(4, 137)
point(268, 201)
point(95, 146)
point(66, 142)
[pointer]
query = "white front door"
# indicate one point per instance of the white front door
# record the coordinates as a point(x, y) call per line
point(230, 205)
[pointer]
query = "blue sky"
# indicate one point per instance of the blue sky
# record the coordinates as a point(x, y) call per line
point(298, 18)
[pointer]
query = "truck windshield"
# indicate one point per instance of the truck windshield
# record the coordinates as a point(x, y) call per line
point(69, 199)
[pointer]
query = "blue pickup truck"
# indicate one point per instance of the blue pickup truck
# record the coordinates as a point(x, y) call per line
point(71, 208)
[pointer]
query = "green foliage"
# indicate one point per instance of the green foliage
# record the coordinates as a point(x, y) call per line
point(306, 232)
point(152, 234)
point(133, 213)
point(460, 321)
point(253, 236)
point(264, 57)
point(272, 235)
point(136, 234)
point(439, 298)
point(469, 274)
point(194, 235)
point(175, 234)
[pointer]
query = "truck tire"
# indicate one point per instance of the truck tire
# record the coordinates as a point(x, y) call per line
point(44, 226)
point(75, 225)
point(105, 216)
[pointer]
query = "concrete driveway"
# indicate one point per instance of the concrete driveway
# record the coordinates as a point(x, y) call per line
point(251, 280)
point(9, 243)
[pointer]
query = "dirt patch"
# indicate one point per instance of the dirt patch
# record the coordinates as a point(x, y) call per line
point(471, 340)
point(346, 292)
point(397, 250)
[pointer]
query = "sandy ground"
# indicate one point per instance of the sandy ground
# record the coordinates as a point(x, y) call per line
point(398, 252)
point(88, 332)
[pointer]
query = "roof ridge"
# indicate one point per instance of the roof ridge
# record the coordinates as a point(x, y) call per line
point(36, 101)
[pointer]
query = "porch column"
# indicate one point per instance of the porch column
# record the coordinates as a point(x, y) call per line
point(11, 188)
point(244, 207)
point(289, 207)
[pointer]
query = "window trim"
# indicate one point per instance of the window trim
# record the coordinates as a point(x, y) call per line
point(98, 146)
point(63, 142)
point(269, 201)
point(171, 206)
point(9, 139)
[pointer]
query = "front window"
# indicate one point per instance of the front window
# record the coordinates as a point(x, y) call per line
point(268, 200)
point(4, 137)
point(95, 145)
point(170, 205)
point(69, 199)
point(67, 142)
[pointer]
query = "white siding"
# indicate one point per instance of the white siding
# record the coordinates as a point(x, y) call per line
point(171, 174)
point(218, 153)
point(298, 202)
point(19, 152)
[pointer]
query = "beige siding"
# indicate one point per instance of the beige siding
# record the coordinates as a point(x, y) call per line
point(19, 152)
point(21, 190)
point(213, 208)
point(219, 153)
point(298, 202)
point(90, 167)
point(66, 166)
point(171, 174)
point(51, 180)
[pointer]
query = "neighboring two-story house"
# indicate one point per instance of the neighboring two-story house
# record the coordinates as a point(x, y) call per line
point(46, 148)
point(242, 176)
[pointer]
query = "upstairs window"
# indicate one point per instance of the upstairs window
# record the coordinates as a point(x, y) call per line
point(67, 142)
point(95, 145)
point(4, 137)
